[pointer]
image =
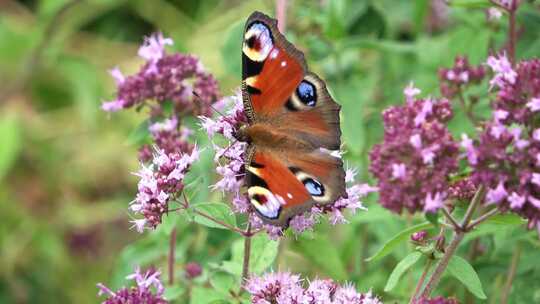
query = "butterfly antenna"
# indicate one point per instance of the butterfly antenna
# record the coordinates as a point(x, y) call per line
point(211, 106)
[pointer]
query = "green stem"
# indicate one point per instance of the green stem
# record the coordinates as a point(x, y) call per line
point(459, 233)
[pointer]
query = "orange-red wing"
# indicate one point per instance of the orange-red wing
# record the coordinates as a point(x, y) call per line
point(279, 179)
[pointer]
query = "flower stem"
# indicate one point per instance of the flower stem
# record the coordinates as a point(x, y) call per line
point(185, 205)
point(478, 197)
point(511, 274)
point(422, 279)
point(482, 218)
point(459, 233)
point(172, 249)
point(441, 267)
point(247, 253)
point(450, 218)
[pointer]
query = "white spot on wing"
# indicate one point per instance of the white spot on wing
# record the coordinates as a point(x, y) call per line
point(289, 195)
point(274, 53)
point(283, 63)
point(333, 153)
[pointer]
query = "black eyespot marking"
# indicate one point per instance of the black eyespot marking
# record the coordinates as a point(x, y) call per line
point(313, 187)
point(307, 93)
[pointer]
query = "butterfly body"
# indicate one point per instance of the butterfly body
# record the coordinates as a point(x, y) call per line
point(293, 127)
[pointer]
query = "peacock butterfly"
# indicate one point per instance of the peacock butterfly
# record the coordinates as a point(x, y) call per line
point(292, 130)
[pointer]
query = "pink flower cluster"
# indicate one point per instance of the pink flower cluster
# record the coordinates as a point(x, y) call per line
point(417, 155)
point(169, 136)
point(461, 74)
point(284, 287)
point(506, 156)
point(140, 294)
point(159, 182)
point(230, 166)
point(164, 78)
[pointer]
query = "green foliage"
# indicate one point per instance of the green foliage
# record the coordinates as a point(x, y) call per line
point(219, 211)
point(464, 272)
point(397, 239)
point(400, 269)
point(65, 165)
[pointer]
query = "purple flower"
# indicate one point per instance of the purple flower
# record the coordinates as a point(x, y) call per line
point(153, 47)
point(148, 290)
point(470, 151)
point(503, 72)
point(416, 139)
point(507, 147)
point(419, 236)
point(399, 170)
point(193, 270)
point(165, 78)
point(509, 5)
point(494, 13)
point(461, 74)
point(410, 92)
point(516, 200)
point(463, 189)
point(496, 195)
point(534, 104)
point(284, 287)
point(159, 181)
point(434, 203)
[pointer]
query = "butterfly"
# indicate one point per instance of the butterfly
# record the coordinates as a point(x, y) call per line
point(293, 133)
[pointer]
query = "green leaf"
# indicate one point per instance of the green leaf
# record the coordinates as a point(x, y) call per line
point(322, 252)
point(263, 254)
point(400, 269)
point(223, 282)
point(201, 295)
point(506, 220)
point(10, 143)
point(433, 218)
point(465, 273)
point(396, 240)
point(229, 51)
point(219, 211)
point(470, 3)
point(173, 292)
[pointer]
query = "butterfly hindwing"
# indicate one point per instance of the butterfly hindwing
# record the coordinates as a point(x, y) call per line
point(281, 185)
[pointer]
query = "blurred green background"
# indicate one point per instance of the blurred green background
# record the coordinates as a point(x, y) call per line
point(65, 165)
